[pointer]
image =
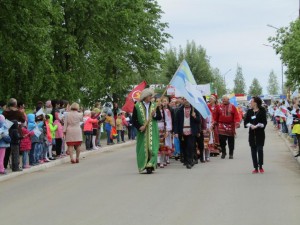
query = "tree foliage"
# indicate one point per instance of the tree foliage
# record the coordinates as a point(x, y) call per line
point(287, 44)
point(198, 61)
point(255, 89)
point(78, 49)
point(239, 81)
point(273, 87)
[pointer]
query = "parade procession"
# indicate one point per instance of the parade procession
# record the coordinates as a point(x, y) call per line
point(185, 127)
point(149, 112)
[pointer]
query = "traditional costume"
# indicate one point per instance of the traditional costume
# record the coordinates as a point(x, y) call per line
point(215, 146)
point(226, 119)
point(165, 138)
point(147, 141)
point(187, 128)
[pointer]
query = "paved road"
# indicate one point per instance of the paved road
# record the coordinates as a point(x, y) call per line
point(106, 189)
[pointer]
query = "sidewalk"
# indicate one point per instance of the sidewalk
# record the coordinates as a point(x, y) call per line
point(288, 141)
point(60, 161)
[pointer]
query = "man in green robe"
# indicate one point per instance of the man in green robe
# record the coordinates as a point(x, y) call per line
point(144, 118)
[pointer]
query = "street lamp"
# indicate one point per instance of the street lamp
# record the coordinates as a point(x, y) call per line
point(224, 77)
point(276, 28)
point(282, 91)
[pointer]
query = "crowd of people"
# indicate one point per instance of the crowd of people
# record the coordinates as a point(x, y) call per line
point(55, 130)
point(285, 116)
point(173, 128)
point(164, 127)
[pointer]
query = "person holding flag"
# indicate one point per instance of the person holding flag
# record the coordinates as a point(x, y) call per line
point(186, 128)
point(144, 118)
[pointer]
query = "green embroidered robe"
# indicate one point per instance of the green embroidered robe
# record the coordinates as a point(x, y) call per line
point(147, 141)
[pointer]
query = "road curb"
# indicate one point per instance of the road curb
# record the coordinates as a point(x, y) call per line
point(61, 161)
point(288, 143)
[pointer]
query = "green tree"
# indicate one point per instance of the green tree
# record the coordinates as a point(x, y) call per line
point(25, 49)
point(78, 50)
point(195, 56)
point(285, 43)
point(239, 81)
point(255, 89)
point(218, 82)
point(273, 86)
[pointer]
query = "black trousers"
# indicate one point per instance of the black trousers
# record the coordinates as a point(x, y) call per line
point(15, 154)
point(200, 143)
point(6, 157)
point(187, 144)
point(58, 144)
point(229, 140)
point(257, 151)
point(129, 132)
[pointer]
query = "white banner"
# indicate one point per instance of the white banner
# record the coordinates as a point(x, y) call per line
point(204, 89)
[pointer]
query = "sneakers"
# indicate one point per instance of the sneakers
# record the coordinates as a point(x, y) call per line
point(26, 167)
point(231, 157)
point(223, 156)
point(258, 171)
point(3, 173)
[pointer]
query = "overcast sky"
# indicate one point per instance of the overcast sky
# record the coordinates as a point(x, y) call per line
point(232, 31)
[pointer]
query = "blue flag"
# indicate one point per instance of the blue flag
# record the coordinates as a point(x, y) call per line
point(184, 82)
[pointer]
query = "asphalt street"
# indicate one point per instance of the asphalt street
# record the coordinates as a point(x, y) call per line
point(106, 188)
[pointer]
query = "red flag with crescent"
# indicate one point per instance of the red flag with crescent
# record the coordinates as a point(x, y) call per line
point(133, 97)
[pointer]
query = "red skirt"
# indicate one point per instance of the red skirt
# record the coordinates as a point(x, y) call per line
point(74, 143)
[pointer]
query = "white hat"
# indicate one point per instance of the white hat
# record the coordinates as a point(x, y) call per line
point(145, 93)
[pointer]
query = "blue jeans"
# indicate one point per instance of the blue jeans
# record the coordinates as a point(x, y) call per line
point(24, 158)
point(133, 132)
point(177, 146)
point(108, 136)
point(38, 151)
point(32, 153)
point(88, 139)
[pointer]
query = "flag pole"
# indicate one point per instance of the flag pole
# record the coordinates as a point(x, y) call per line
point(163, 95)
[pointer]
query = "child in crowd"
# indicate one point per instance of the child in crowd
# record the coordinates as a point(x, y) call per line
point(121, 125)
point(40, 147)
point(109, 123)
point(34, 139)
point(25, 145)
point(58, 136)
point(88, 130)
point(50, 135)
point(4, 142)
point(95, 114)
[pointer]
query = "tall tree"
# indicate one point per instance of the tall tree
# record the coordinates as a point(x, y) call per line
point(255, 89)
point(78, 50)
point(195, 56)
point(218, 82)
point(284, 43)
point(239, 81)
point(273, 86)
point(25, 48)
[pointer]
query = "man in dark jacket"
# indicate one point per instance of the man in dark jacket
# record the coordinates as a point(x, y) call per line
point(186, 128)
point(12, 113)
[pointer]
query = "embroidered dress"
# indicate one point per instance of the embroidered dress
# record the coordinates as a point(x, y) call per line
point(164, 126)
point(214, 146)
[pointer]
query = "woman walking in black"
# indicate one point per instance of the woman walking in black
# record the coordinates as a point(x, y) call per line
point(256, 121)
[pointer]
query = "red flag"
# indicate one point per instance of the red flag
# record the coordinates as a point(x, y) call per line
point(133, 96)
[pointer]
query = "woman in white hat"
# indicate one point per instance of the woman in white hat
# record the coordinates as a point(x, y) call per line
point(144, 118)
